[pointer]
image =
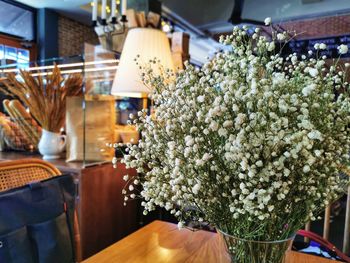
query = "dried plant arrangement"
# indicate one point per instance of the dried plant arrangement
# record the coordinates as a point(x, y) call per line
point(45, 98)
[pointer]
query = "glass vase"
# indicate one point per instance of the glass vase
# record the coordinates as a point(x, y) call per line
point(250, 251)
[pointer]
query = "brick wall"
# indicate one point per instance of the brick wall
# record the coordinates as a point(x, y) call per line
point(313, 27)
point(72, 35)
point(320, 27)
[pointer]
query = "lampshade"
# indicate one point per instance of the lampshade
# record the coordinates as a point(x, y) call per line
point(149, 44)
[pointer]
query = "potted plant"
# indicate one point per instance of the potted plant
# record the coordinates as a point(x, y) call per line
point(252, 142)
point(46, 101)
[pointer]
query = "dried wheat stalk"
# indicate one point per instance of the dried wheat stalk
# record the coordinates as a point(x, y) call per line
point(45, 98)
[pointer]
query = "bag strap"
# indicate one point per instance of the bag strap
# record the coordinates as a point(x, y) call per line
point(325, 243)
point(69, 216)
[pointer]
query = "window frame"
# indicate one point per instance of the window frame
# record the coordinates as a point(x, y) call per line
point(16, 42)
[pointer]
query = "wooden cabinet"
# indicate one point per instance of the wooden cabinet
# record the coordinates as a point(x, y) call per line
point(103, 219)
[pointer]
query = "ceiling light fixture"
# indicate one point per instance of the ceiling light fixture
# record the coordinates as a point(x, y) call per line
point(167, 26)
point(71, 71)
point(108, 24)
point(69, 65)
point(127, 81)
point(114, 24)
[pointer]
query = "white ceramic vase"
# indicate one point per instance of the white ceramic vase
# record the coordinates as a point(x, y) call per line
point(51, 145)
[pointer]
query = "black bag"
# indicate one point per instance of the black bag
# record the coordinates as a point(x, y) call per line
point(36, 222)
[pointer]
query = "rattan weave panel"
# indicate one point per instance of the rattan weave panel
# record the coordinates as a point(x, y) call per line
point(21, 172)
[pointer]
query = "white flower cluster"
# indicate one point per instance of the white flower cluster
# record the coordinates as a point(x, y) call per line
point(250, 137)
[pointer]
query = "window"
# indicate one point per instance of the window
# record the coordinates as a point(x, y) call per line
point(2, 52)
point(19, 21)
point(16, 33)
point(11, 53)
point(14, 53)
point(23, 58)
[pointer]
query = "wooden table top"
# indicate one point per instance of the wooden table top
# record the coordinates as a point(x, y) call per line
point(161, 242)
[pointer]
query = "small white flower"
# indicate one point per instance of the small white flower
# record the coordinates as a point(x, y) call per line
point(278, 79)
point(242, 176)
point(201, 98)
point(306, 169)
point(281, 37)
point(318, 153)
point(267, 21)
point(206, 156)
point(320, 64)
point(200, 162)
point(240, 119)
point(222, 132)
point(251, 196)
point(323, 46)
point(271, 46)
point(317, 46)
point(343, 49)
point(315, 135)
point(259, 163)
point(214, 126)
point(189, 140)
point(308, 89)
point(187, 151)
point(171, 145)
point(196, 188)
point(126, 177)
point(313, 72)
point(242, 186)
point(227, 124)
point(180, 225)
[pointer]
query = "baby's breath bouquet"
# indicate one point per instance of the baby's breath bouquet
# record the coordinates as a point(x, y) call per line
point(252, 143)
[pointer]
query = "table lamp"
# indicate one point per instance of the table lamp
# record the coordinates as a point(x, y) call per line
point(148, 44)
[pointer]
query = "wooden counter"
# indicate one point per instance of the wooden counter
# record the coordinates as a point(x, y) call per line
point(61, 164)
point(103, 219)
